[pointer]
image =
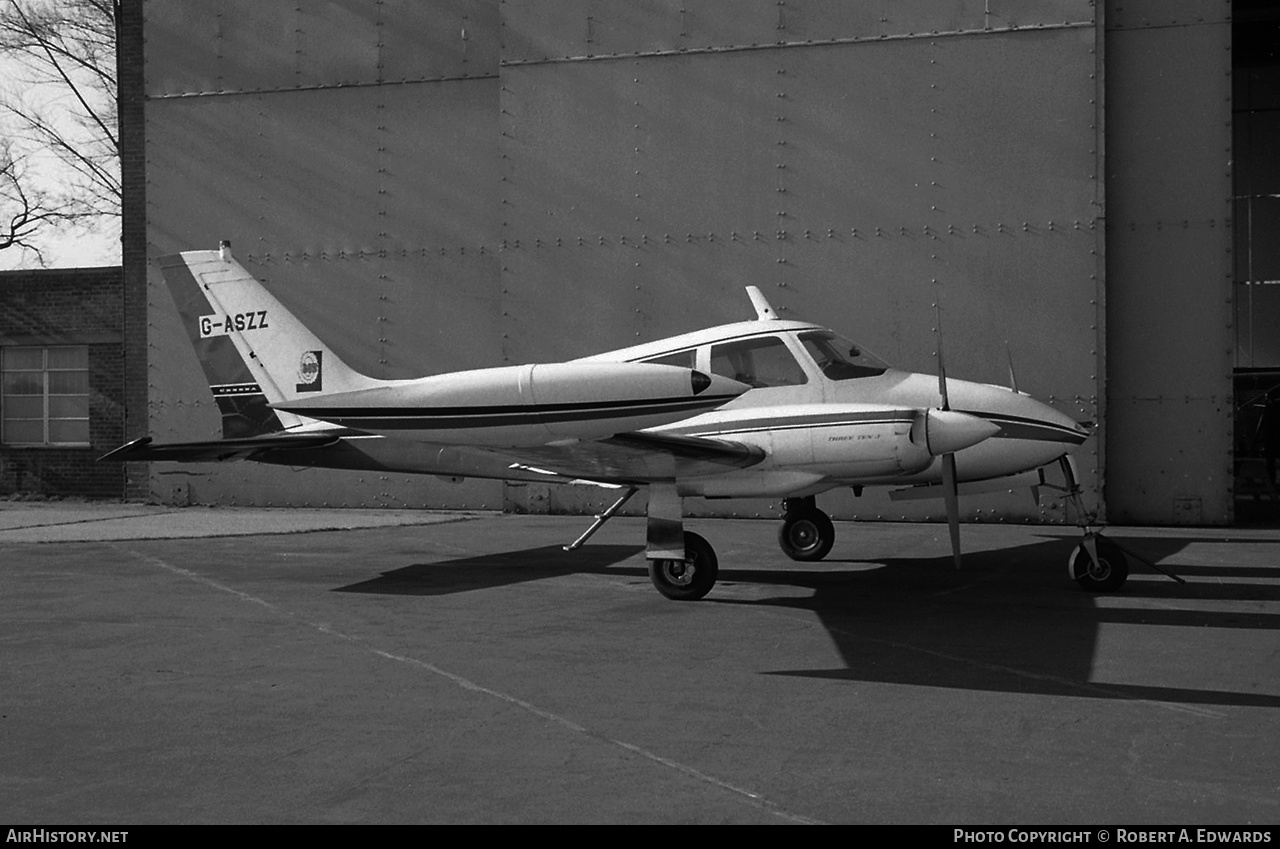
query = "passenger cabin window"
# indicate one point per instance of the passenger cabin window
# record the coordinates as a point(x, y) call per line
point(763, 361)
point(684, 359)
point(839, 358)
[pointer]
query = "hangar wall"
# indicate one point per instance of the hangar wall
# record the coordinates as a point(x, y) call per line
point(349, 153)
point(1170, 340)
point(455, 184)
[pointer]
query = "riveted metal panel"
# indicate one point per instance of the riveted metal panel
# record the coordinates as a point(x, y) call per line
point(370, 212)
point(616, 173)
point(228, 45)
point(556, 29)
point(1169, 261)
point(440, 39)
point(233, 46)
point(826, 20)
point(1145, 14)
point(182, 47)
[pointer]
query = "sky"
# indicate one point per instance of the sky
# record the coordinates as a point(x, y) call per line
point(83, 248)
point(67, 247)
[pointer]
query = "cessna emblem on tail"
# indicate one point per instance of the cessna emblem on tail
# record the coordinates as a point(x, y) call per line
point(311, 372)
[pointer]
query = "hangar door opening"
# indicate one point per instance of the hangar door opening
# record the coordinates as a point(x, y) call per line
point(1256, 143)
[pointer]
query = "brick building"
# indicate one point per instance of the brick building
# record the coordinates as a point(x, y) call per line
point(62, 396)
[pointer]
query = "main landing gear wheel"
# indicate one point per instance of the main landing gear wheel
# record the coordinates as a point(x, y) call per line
point(806, 535)
point(1107, 575)
point(689, 579)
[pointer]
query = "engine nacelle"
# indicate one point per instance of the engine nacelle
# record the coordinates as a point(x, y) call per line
point(511, 406)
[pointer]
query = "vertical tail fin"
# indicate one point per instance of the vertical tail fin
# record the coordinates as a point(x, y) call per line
point(253, 351)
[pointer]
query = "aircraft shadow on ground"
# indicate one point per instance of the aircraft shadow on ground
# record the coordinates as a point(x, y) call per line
point(486, 571)
point(1011, 621)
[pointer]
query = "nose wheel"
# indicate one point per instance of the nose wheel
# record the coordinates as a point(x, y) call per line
point(1103, 573)
point(806, 533)
point(1098, 564)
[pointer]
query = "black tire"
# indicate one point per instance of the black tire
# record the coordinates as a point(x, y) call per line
point(689, 579)
point(807, 536)
point(1108, 575)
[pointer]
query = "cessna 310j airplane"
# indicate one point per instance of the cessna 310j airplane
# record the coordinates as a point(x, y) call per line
point(764, 408)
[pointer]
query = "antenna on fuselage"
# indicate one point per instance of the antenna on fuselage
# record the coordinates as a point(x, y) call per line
point(764, 312)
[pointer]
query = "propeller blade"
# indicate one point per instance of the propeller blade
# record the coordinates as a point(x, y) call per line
point(942, 368)
point(952, 499)
point(1013, 378)
point(950, 494)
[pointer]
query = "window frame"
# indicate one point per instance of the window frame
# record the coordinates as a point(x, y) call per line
point(45, 419)
point(763, 342)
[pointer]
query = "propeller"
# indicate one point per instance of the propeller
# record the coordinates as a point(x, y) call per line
point(950, 494)
point(1013, 378)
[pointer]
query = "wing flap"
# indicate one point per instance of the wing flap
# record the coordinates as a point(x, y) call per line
point(639, 457)
point(216, 450)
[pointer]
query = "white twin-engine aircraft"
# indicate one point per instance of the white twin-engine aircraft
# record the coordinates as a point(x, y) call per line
point(764, 408)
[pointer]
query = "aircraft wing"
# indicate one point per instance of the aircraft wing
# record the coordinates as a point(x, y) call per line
point(626, 458)
point(251, 448)
point(632, 458)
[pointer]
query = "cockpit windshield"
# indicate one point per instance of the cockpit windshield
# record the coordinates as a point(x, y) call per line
point(840, 359)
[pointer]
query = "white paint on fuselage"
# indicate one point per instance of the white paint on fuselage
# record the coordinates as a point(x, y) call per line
point(861, 448)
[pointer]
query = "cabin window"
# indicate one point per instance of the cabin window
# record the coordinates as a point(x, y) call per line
point(762, 361)
point(683, 359)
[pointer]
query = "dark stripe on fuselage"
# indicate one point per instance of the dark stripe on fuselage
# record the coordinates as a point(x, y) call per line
point(443, 418)
point(1037, 430)
point(809, 420)
point(1011, 427)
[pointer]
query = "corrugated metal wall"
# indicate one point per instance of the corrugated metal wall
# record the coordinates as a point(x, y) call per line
point(453, 184)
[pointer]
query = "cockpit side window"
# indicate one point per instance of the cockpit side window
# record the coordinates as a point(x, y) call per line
point(684, 359)
point(762, 361)
point(829, 352)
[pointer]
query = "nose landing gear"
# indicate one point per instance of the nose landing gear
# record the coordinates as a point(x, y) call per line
point(1102, 570)
point(1098, 564)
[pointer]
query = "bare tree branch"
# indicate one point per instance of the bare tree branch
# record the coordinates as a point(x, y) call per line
point(24, 211)
point(66, 52)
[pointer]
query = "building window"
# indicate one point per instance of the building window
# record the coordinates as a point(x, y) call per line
point(45, 397)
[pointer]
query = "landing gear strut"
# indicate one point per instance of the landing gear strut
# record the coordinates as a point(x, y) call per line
point(806, 533)
point(1098, 564)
